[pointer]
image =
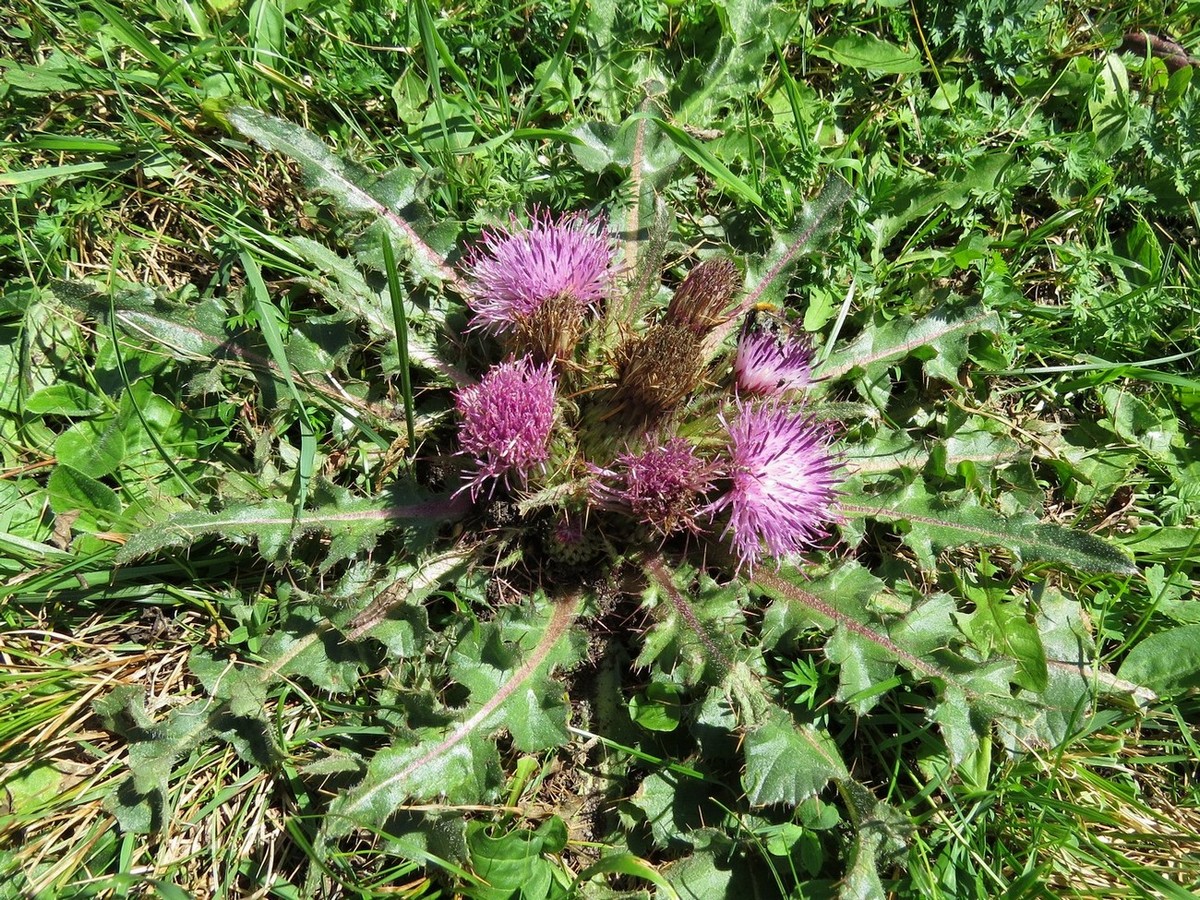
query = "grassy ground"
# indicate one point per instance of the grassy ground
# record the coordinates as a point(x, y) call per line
point(1003, 156)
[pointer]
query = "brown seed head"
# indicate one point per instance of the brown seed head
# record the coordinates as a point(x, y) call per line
point(658, 370)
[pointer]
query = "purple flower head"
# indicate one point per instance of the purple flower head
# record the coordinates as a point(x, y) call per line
point(772, 364)
point(783, 481)
point(506, 423)
point(514, 272)
point(663, 486)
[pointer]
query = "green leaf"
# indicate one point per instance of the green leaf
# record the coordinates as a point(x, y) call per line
point(352, 188)
point(671, 805)
point(1065, 703)
point(944, 332)
point(862, 665)
point(1167, 662)
point(458, 763)
point(513, 864)
point(64, 399)
point(485, 661)
point(919, 197)
point(1001, 626)
point(695, 636)
point(737, 62)
point(880, 832)
point(704, 158)
point(71, 490)
point(94, 447)
point(715, 870)
point(788, 763)
point(629, 865)
point(140, 801)
point(850, 588)
point(658, 708)
point(346, 287)
point(352, 524)
point(933, 528)
point(865, 51)
point(270, 327)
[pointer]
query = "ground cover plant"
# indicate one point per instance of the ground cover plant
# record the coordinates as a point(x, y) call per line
point(565, 450)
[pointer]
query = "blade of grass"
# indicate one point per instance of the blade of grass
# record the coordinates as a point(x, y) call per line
point(397, 298)
point(266, 324)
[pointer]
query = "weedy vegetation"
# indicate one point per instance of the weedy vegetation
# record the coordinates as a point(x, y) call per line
point(697, 449)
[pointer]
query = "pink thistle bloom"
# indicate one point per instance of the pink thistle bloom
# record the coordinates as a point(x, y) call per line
point(662, 486)
point(783, 481)
point(506, 422)
point(515, 271)
point(771, 364)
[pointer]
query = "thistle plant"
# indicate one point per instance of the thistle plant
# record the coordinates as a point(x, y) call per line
point(772, 465)
point(602, 432)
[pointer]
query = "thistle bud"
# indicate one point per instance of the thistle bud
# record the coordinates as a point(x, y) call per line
point(703, 301)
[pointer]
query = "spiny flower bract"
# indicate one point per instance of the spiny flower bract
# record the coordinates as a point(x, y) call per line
point(766, 363)
point(513, 272)
point(782, 480)
point(506, 423)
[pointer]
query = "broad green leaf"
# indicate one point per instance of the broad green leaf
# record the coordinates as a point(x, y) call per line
point(267, 26)
point(488, 658)
point(658, 708)
point(1066, 702)
point(849, 588)
point(1155, 431)
point(696, 635)
point(1001, 626)
point(766, 279)
point(72, 491)
point(303, 648)
point(424, 766)
point(140, 802)
point(735, 67)
point(672, 806)
point(865, 51)
point(352, 188)
point(629, 865)
point(1167, 662)
point(344, 284)
point(64, 399)
point(788, 763)
point(862, 664)
point(920, 197)
point(94, 447)
point(971, 701)
point(933, 528)
point(715, 870)
point(880, 832)
point(515, 864)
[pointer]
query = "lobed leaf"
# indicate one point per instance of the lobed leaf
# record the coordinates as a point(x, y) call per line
point(788, 763)
point(933, 528)
point(352, 188)
point(942, 336)
point(459, 763)
point(273, 525)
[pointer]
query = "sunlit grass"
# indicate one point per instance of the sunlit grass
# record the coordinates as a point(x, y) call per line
point(981, 169)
